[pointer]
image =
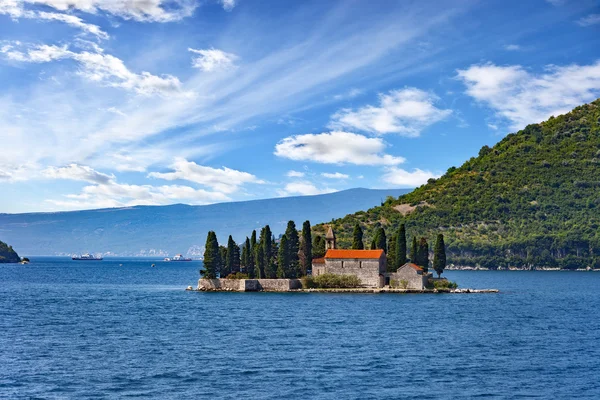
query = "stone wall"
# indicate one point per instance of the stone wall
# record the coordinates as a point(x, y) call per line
point(370, 272)
point(414, 279)
point(250, 285)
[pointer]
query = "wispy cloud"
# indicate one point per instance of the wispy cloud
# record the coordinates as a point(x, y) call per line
point(336, 148)
point(512, 47)
point(78, 173)
point(228, 5)
point(145, 10)
point(589, 20)
point(210, 60)
point(98, 67)
point(523, 97)
point(406, 112)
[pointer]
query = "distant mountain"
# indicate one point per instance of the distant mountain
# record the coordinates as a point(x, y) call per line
point(532, 200)
point(167, 230)
point(7, 254)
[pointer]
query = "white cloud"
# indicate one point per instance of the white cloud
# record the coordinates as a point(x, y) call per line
point(228, 5)
point(523, 97)
point(336, 148)
point(512, 47)
point(589, 20)
point(407, 112)
point(14, 9)
point(210, 60)
point(139, 10)
point(403, 178)
point(303, 188)
point(295, 174)
point(78, 173)
point(102, 68)
point(224, 180)
point(337, 175)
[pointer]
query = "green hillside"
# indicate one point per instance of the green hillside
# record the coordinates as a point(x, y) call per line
point(531, 200)
point(7, 254)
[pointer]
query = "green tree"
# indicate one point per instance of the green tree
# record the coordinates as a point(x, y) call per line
point(231, 262)
point(357, 238)
point(439, 255)
point(283, 258)
point(400, 248)
point(293, 248)
point(391, 254)
point(259, 260)
point(414, 249)
point(423, 254)
point(305, 254)
point(211, 257)
point(223, 269)
point(318, 247)
point(381, 240)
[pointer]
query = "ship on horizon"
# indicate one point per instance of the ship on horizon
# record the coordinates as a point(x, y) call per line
point(178, 257)
point(86, 257)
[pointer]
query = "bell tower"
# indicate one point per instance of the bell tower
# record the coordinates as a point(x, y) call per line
point(330, 239)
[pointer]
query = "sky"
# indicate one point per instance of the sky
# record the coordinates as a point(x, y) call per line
point(114, 103)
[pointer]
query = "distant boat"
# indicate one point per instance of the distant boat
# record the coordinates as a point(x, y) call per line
point(86, 257)
point(178, 257)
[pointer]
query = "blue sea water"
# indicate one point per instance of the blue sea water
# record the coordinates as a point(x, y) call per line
point(78, 330)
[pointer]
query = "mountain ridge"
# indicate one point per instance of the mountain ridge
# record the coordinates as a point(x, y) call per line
point(171, 229)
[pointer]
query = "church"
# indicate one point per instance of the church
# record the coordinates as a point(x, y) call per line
point(368, 265)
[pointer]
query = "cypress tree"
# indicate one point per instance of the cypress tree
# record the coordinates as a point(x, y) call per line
point(246, 259)
point(251, 268)
point(400, 247)
point(439, 255)
point(267, 244)
point(283, 259)
point(305, 249)
point(259, 261)
point(391, 254)
point(413, 251)
point(357, 241)
point(211, 256)
point(423, 254)
point(381, 240)
point(230, 262)
point(318, 247)
point(293, 247)
point(223, 270)
point(236, 259)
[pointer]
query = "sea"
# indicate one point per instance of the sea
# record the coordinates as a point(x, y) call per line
point(122, 328)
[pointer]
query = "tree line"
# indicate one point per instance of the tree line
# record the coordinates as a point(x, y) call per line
point(263, 257)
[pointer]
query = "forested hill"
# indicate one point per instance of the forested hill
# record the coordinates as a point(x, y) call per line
point(7, 254)
point(533, 200)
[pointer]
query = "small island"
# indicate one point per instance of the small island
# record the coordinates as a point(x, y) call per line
point(300, 263)
point(8, 254)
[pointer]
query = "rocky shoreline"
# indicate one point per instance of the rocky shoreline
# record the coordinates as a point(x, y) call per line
point(355, 290)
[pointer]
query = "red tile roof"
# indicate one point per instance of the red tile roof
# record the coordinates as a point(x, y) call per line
point(362, 254)
point(413, 266)
point(318, 260)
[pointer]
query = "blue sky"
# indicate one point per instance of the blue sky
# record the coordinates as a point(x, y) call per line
point(111, 103)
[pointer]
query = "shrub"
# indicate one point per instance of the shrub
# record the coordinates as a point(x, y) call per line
point(402, 284)
point(444, 284)
point(330, 281)
point(237, 275)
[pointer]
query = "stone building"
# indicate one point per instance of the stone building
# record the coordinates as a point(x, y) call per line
point(368, 265)
point(408, 276)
